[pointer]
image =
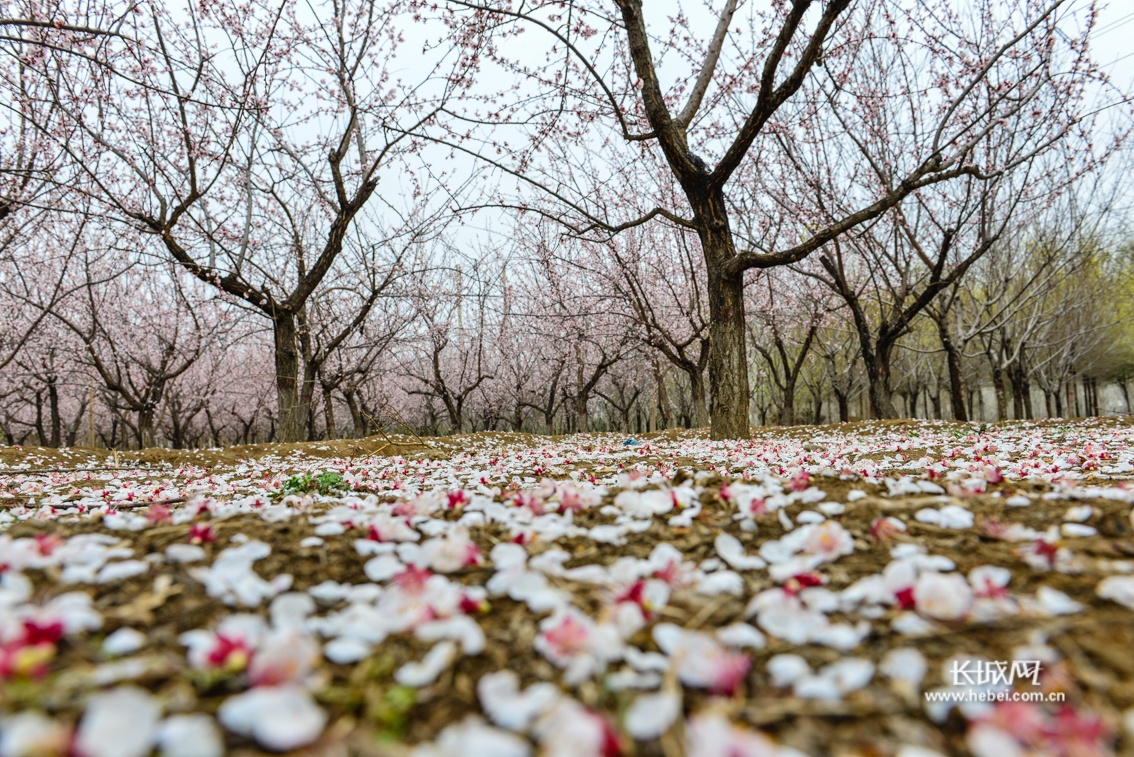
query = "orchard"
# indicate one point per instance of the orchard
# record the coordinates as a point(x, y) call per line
point(567, 377)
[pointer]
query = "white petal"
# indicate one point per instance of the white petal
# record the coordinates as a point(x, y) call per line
point(460, 628)
point(436, 660)
point(904, 664)
point(741, 635)
point(289, 611)
point(383, 567)
point(122, 722)
point(279, 718)
point(193, 735)
point(651, 715)
point(32, 734)
point(732, 552)
point(508, 555)
point(786, 669)
point(123, 641)
point(346, 650)
point(506, 706)
point(669, 637)
point(185, 553)
point(1055, 602)
point(1117, 588)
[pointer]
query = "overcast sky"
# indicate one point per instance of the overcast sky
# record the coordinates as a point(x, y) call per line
point(1113, 47)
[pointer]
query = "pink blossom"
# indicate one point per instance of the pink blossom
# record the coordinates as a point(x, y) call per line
point(829, 541)
point(701, 661)
point(451, 552)
point(569, 729)
point(283, 657)
point(990, 581)
point(993, 475)
point(944, 596)
point(799, 481)
point(885, 529)
point(710, 734)
point(201, 533)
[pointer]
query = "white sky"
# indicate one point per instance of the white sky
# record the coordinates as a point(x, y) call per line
point(1113, 47)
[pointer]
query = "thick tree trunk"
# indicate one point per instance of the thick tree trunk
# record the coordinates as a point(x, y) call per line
point(728, 358)
point(787, 404)
point(73, 427)
point(582, 421)
point(844, 409)
point(1021, 393)
point(176, 432)
point(881, 397)
point(146, 424)
point(728, 361)
point(292, 412)
point(1017, 398)
point(356, 418)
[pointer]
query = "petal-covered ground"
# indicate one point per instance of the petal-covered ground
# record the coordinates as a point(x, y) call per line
point(878, 588)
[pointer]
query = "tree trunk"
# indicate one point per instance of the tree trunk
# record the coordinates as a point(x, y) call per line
point(329, 414)
point(697, 389)
point(1017, 398)
point(41, 435)
point(146, 425)
point(728, 362)
point(956, 378)
point(582, 422)
point(728, 358)
point(53, 407)
point(177, 433)
point(844, 410)
point(878, 376)
point(787, 404)
point(292, 413)
point(356, 418)
point(998, 390)
point(663, 400)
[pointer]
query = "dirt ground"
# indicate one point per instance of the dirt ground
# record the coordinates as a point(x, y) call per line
point(369, 713)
